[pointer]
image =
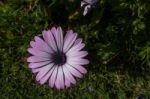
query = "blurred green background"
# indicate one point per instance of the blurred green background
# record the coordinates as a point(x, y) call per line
point(117, 37)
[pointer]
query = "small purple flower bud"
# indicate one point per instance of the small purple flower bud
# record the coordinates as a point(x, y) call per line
point(87, 5)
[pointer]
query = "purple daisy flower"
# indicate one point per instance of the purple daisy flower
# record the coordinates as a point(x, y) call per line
point(87, 5)
point(56, 59)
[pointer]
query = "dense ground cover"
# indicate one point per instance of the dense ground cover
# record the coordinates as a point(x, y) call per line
point(116, 33)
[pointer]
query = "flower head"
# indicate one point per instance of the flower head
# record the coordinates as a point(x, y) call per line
point(87, 5)
point(57, 59)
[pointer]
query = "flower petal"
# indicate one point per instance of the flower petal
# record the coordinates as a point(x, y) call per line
point(70, 39)
point(82, 3)
point(80, 68)
point(43, 71)
point(53, 77)
point(37, 52)
point(68, 76)
point(73, 71)
point(86, 9)
point(78, 41)
point(36, 65)
point(78, 61)
point(37, 59)
point(35, 70)
point(47, 76)
point(76, 48)
point(60, 79)
point(59, 38)
point(49, 38)
point(40, 45)
point(55, 34)
point(77, 54)
point(67, 83)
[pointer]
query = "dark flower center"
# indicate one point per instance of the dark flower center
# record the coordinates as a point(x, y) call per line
point(59, 58)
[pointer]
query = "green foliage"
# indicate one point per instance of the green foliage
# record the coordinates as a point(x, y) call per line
point(117, 37)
